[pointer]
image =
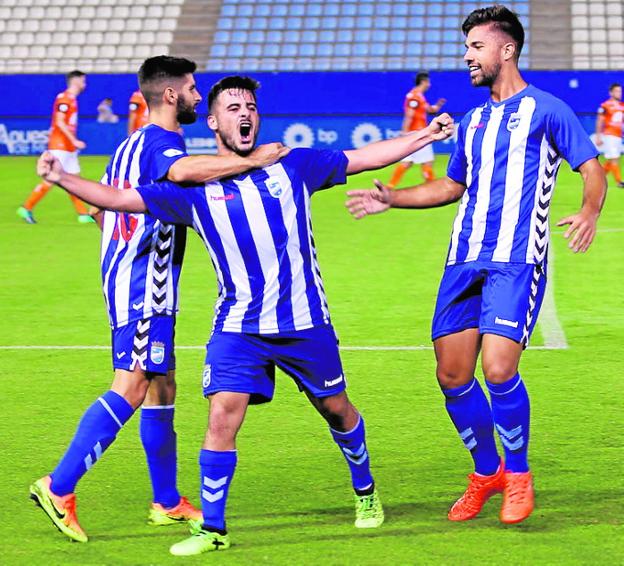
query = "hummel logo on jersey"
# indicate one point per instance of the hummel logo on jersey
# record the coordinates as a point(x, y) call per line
point(229, 196)
point(333, 381)
point(504, 322)
point(477, 126)
point(514, 121)
point(137, 306)
point(120, 355)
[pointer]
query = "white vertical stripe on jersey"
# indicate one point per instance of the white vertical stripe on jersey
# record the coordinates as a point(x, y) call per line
point(263, 240)
point(234, 258)
point(315, 267)
point(514, 181)
point(459, 218)
point(488, 152)
point(128, 170)
point(197, 225)
point(299, 298)
point(538, 189)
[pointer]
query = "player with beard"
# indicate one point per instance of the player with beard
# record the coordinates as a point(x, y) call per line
point(141, 260)
point(504, 169)
point(272, 310)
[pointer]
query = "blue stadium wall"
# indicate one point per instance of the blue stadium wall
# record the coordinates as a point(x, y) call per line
point(323, 110)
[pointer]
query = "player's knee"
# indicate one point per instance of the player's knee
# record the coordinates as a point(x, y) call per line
point(133, 390)
point(338, 411)
point(451, 377)
point(499, 371)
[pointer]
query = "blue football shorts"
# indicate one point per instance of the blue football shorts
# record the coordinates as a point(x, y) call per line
point(497, 298)
point(147, 344)
point(245, 363)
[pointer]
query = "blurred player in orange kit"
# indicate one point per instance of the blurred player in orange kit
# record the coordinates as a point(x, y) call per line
point(416, 109)
point(138, 114)
point(64, 144)
point(609, 132)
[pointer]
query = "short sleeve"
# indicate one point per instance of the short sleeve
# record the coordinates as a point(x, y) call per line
point(167, 150)
point(601, 109)
point(566, 133)
point(170, 202)
point(457, 168)
point(319, 169)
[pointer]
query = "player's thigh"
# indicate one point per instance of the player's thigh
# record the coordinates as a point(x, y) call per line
point(458, 305)
point(161, 391)
point(68, 159)
point(500, 357)
point(312, 359)
point(239, 363)
point(132, 385)
point(456, 357)
point(512, 298)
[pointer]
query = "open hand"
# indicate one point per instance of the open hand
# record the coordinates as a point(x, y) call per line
point(268, 153)
point(581, 229)
point(365, 202)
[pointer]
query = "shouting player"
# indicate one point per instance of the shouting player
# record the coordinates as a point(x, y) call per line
point(272, 310)
point(415, 111)
point(64, 144)
point(503, 168)
point(609, 131)
point(141, 260)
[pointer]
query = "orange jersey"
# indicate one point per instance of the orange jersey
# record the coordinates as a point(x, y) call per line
point(138, 113)
point(417, 103)
point(66, 110)
point(613, 113)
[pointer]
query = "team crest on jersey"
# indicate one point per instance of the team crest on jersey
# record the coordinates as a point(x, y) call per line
point(157, 352)
point(275, 187)
point(514, 121)
point(206, 376)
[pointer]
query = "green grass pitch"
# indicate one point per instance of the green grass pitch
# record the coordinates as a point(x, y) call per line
point(290, 500)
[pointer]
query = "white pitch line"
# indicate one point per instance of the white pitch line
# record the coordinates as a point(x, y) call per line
point(344, 348)
point(552, 331)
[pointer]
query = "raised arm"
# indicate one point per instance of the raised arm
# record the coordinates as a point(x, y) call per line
point(205, 168)
point(582, 225)
point(428, 195)
point(102, 196)
point(383, 153)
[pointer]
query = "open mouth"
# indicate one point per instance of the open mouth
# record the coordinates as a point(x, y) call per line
point(473, 68)
point(245, 131)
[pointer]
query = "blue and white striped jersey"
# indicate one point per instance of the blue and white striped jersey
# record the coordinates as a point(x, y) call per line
point(257, 229)
point(141, 256)
point(508, 155)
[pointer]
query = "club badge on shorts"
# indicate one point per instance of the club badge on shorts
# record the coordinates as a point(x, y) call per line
point(157, 352)
point(206, 376)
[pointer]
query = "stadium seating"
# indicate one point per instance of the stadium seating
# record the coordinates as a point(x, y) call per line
point(288, 35)
point(92, 35)
point(597, 34)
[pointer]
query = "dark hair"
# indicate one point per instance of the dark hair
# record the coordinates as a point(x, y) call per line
point(75, 73)
point(156, 69)
point(420, 77)
point(614, 85)
point(503, 19)
point(233, 82)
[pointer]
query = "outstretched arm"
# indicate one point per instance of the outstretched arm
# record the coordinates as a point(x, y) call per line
point(582, 225)
point(428, 195)
point(205, 168)
point(379, 154)
point(102, 196)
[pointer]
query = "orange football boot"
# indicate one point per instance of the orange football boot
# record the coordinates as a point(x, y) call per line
point(183, 511)
point(518, 497)
point(480, 489)
point(61, 510)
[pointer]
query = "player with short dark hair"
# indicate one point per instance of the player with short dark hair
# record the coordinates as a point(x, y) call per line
point(609, 131)
point(272, 310)
point(415, 110)
point(64, 143)
point(141, 259)
point(503, 169)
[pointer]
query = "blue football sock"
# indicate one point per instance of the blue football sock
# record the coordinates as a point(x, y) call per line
point(159, 442)
point(217, 469)
point(511, 411)
point(353, 446)
point(470, 412)
point(96, 431)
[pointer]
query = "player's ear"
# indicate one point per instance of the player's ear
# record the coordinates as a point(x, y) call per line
point(212, 122)
point(509, 50)
point(170, 95)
